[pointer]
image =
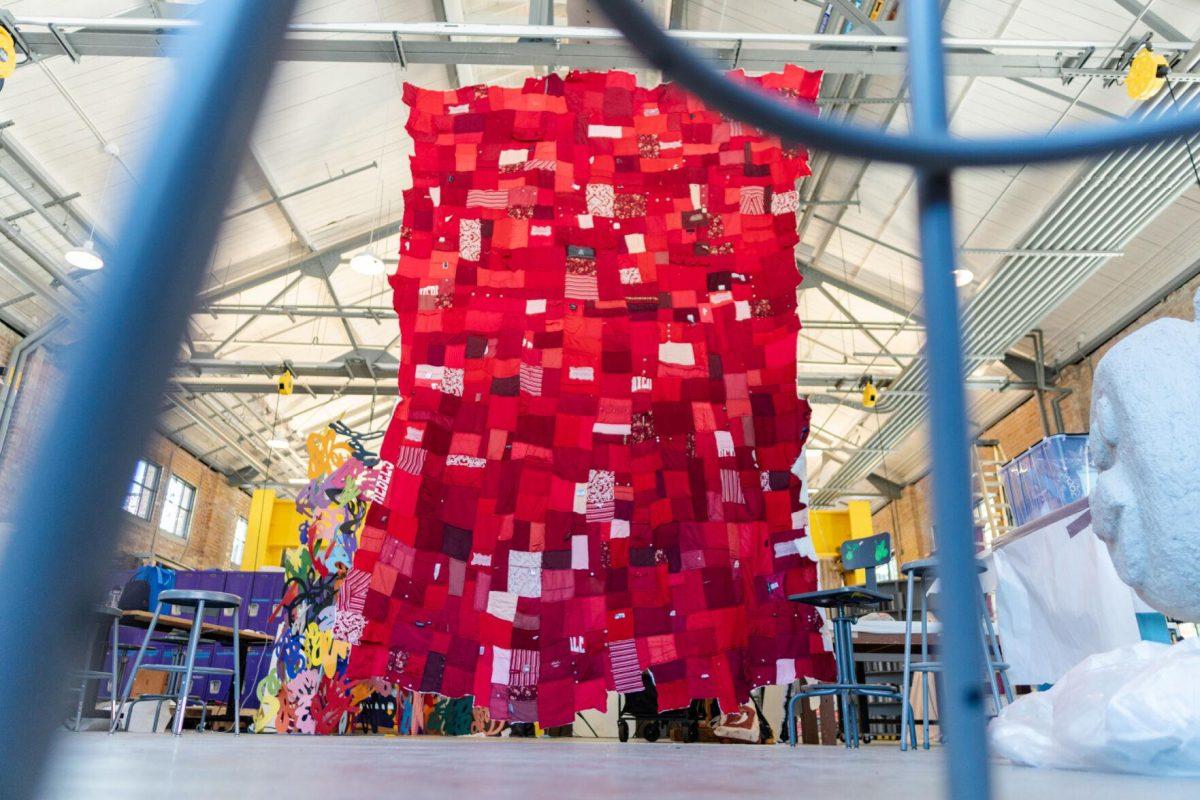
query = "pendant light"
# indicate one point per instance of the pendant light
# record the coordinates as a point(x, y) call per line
point(367, 263)
point(85, 256)
point(963, 277)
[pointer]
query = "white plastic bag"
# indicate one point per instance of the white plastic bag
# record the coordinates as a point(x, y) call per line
point(1133, 709)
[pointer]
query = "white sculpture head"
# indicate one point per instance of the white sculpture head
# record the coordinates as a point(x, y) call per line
point(1145, 441)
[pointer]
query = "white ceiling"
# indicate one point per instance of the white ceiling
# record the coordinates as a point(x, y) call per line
point(320, 120)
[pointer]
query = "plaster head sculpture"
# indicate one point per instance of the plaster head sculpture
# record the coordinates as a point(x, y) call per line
point(1145, 441)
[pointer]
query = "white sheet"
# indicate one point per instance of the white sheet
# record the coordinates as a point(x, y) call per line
point(1059, 598)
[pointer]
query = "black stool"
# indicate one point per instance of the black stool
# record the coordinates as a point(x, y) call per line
point(865, 554)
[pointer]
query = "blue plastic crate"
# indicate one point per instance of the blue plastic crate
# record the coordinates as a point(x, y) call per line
point(1053, 473)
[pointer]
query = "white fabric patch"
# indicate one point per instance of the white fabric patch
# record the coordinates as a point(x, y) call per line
point(525, 574)
point(800, 519)
point(413, 434)
point(428, 372)
point(619, 529)
point(581, 374)
point(459, 460)
point(585, 221)
point(677, 353)
point(719, 298)
point(501, 664)
point(469, 241)
point(631, 276)
point(724, 443)
point(511, 157)
point(640, 383)
point(694, 189)
point(435, 195)
point(502, 605)
point(604, 131)
point(579, 552)
point(481, 560)
point(612, 428)
point(741, 309)
point(635, 243)
point(452, 381)
point(535, 306)
point(579, 506)
point(540, 230)
point(785, 671)
point(459, 109)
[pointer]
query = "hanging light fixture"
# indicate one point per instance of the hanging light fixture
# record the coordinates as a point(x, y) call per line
point(84, 256)
point(298, 481)
point(367, 263)
point(963, 277)
point(278, 444)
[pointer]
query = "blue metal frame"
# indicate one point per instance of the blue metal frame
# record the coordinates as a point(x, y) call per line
point(66, 516)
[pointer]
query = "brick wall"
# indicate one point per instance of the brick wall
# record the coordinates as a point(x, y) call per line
point(909, 519)
point(217, 505)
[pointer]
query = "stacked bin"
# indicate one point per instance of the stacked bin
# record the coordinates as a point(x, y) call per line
point(1053, 473)
point(260, 591)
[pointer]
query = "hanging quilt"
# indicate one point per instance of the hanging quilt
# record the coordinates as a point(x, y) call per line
point(591, 463)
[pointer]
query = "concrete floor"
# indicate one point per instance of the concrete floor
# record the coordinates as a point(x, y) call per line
point(214, 766)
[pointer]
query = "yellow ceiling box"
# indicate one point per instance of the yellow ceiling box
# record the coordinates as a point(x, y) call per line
point(285, 382)
point(1146, 76)
point(870, 394)
point(8, 54)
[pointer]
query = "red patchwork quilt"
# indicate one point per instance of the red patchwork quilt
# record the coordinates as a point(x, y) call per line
point(591, 461)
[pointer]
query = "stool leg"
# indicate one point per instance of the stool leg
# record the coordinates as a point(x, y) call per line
point(839, 656)
point(116, 672)
point(997, 656)
point(186, 683)
point(991, 666)
point(926, 674)
point(137, 664)
point(237, 676)
point(905, 683)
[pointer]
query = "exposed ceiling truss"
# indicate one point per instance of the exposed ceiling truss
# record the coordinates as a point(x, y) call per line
point(229, 398)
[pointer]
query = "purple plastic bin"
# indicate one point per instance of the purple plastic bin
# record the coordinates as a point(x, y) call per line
point(216, 688)
point(258, 664)
point(241, 584)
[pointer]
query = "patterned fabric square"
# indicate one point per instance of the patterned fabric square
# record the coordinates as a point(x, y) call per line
point(598, 418)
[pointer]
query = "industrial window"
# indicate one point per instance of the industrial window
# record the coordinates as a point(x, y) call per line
point(143, 489)
point(239, 541)
point(177, 510)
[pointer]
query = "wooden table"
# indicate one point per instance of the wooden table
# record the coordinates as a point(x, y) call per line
point(222, 634)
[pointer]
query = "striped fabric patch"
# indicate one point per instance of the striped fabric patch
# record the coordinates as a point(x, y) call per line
point(523, 669)
point(541, 163)
point(353, 594)
point(752, 200)
point(531, 380)
point(410, 460)
point(731, 487)
point(622, 656)
point(487, 198)
point(581, 287)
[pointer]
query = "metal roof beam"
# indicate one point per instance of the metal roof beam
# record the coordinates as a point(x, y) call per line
point(851, 57)
point(245, 276)
point(1153, 21)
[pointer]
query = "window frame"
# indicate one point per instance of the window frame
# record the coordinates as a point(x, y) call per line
point(239, 544)
point(188, 510)
point(144, 490)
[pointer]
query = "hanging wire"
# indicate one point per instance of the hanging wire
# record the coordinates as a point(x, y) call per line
point(1187, 141)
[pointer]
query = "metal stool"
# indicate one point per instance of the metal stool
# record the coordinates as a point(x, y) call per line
point(865, 554)
point(177, 640)
point(924, 570)
point(198, 600)
point(102, 616)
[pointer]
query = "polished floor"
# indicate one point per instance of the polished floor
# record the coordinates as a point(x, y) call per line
point(216, 765)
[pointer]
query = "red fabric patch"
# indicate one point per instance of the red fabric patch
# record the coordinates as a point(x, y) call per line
point(598, 416)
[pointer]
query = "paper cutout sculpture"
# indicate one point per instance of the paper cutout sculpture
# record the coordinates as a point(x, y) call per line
point(306, 689)
point(591, 464)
